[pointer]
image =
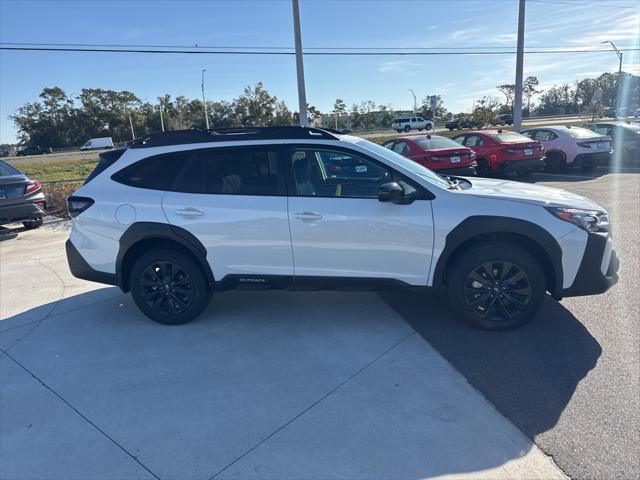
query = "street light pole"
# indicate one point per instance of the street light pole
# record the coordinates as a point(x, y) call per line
point(161, 119)
point(414, 100)
point(204, 102)
point(302, 94)
point(517, 104)
point(133, 134)
point(618, 82)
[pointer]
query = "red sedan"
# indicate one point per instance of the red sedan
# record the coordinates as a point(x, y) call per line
point(501, 151)
point(440, 154)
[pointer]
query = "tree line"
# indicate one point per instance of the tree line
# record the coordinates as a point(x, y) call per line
point(60, 120)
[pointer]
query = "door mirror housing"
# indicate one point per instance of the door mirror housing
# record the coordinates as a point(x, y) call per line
point(391, 192)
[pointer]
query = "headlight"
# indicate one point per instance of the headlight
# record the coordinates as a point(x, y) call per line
point(589, 220)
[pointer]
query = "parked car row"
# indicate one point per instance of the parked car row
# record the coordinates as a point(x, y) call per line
point(492, 152)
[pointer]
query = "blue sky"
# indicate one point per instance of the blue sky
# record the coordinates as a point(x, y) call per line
point(338, 23)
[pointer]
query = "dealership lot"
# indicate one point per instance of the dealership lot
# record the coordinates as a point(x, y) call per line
point(309, 384)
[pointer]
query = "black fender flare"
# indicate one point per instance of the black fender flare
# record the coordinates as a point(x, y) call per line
point(140, 231)
point(479, 226)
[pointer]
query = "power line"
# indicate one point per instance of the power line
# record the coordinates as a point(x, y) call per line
point(262, 47)
point(578, 4)
point(314, 53)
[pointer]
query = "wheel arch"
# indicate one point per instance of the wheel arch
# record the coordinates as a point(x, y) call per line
point(522, 233)
point(142, 236)
point(556, 151)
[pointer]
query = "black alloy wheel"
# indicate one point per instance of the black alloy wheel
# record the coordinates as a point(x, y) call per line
point(496, 286)
point(497, 291)
point(166, 288)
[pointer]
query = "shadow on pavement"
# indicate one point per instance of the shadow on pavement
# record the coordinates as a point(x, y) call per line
point(529, 374)
point(301, 385)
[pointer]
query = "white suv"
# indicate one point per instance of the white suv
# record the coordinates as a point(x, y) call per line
point(179, 215)
point(411, 123)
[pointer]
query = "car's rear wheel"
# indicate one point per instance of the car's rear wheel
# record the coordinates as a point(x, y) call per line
point(555, 162)
point(496, 286)
point(168, 286)
point(482, 168)
point(31, 224)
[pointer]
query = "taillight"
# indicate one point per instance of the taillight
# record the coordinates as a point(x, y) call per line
point(584, 144)
point(77, 205)
point(32, 186)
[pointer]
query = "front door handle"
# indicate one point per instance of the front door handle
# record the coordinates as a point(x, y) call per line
point(190, 212)
point(307, 216)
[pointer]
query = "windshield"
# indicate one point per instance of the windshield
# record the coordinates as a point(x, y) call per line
point(403, 162)
point(509, 137)
point(6, 169)
point(577, 132)
point(435, 143)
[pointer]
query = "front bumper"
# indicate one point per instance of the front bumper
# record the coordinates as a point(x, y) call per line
point(19, 212)
point(524, 164)
point(598, 269)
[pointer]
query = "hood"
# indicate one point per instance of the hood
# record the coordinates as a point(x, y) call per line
point(528, 193)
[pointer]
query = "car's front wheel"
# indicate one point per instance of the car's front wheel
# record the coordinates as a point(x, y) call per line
point(407, 128)
point(168, 286)
point(496, 286)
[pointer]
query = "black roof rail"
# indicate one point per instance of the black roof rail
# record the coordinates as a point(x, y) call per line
point(180, 137)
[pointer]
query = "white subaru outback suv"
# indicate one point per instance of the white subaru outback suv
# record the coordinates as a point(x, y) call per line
point(179, 215)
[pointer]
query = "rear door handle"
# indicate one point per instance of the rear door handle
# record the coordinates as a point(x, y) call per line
point(190, 212)
point(307, 216)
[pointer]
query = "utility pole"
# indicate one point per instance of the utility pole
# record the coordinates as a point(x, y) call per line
point(133, 134)
point(618, 80)
point(204, 102)
point(414, 100)
point(302, 94)
point(161, 119)
point(517, 104)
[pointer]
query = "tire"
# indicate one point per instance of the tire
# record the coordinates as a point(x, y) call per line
point(171, 280)
point(555, 162)
point(482, 169)
point(496, 286)
point(450, 129)
point(399, 131)
point(407, 128)
point(31, 224)
point(429, 127)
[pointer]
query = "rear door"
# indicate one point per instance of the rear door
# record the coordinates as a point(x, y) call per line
point(340, 229)
point(233, 200)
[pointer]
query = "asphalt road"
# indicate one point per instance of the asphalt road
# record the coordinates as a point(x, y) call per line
point(570, 380)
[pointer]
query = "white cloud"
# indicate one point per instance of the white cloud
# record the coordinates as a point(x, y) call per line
point(397, 66)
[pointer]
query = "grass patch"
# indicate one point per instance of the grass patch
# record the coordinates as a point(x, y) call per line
point(46, 171)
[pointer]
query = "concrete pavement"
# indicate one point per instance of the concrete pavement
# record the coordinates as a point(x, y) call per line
point(263, 385)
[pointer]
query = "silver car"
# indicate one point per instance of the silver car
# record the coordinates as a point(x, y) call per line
point(21, 199)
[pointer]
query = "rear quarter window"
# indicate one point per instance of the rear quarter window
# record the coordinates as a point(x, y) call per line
point(159, 172)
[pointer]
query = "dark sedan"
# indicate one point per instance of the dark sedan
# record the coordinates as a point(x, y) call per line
point(21, 199)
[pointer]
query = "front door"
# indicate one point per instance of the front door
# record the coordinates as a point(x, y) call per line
point(340, 229)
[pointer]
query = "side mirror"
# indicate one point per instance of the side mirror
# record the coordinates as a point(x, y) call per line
point(391, 192)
